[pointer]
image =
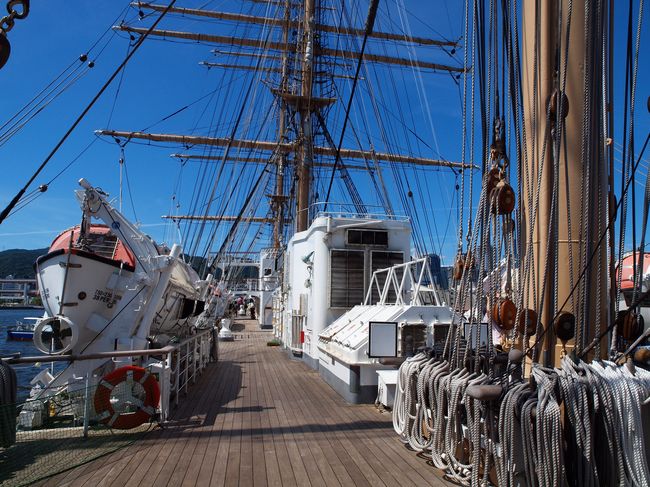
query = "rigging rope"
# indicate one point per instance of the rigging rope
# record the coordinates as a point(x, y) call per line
point(370, 22)
point(15, 199)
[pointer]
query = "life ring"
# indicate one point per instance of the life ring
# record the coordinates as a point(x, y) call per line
point(131, 375)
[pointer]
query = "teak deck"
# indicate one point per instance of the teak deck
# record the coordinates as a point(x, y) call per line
point(258, 418)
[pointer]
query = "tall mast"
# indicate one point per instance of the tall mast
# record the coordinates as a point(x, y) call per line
point(278, 199)
point(559, 233)
point(303, 53)
point(305, 159)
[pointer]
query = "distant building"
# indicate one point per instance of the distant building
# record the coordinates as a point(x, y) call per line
point(439, 273)
point(17, 291)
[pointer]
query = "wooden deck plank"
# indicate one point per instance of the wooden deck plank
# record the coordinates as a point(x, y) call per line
point(292, 426)
point(311, 403)
point(360, 436)
point(258, 418)
point(386, 451)
point(219, 469)
point(315, 398)
point(320, 440)
point(171, 449)
point(276, 454)
point(235, 433)
point(203, 460)
point(191, 457)
point(256, 439)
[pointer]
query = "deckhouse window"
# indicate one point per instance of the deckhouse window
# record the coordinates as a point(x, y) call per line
point(346, 278)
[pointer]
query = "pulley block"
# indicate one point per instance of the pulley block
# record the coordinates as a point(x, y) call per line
point(527, 322)
point(503, 199)
point(492, 179)
point(565, 326)
point(630, 325)
point(462, 262)
point(504, 314)
point(553, 105)
point(459, 266)
point(642, 355)
point(5, 49)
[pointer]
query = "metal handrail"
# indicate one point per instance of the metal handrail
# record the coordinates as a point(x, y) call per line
point(17, 359)
point(344, 210)
point(184, 352)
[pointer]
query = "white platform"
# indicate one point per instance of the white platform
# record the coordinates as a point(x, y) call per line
point(386, 387)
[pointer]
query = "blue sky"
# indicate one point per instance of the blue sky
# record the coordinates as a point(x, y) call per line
point(161, 78)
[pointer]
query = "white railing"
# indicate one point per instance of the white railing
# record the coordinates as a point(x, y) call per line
point(413, 283)
point(348, 210)
point(183, 361)
point(192, 356)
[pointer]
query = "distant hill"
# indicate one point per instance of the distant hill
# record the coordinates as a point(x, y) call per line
point(19, 262)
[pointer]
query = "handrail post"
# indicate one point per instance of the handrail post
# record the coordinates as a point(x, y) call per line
point(178, 375)
point(86, 404)
point(194, 361)
point(187, 368)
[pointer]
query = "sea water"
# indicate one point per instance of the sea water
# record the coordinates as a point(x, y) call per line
point(25, 372)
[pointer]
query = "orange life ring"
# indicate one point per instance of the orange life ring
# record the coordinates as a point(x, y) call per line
point(145, 409)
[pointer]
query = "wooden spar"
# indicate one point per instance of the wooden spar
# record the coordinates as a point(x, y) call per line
point(260, 160)
point(267, 69)
point(277, 58)
point(255, 160)
point(273, 57)
point(192, 140)
point(243, 67)
point(273, 2)
point(252, 19)
point(218, 218)
point(278, 46)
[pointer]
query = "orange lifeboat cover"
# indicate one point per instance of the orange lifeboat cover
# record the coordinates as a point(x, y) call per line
point(627, 271)
point(122, 253)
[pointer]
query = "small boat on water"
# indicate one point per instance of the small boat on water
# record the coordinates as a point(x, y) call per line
point(22, 331)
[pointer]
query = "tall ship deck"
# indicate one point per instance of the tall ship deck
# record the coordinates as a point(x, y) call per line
point(259, 418)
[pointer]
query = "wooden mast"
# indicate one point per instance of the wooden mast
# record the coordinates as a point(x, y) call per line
point(305, 159)
point(566, 171)
point(278, 199)
point(537, 53)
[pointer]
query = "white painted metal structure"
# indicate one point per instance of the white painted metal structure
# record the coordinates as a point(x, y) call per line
point(415, 309)
point(175, 366)
point(270, 273)
point(100, 306)
point(315, 293)
point(411, 280)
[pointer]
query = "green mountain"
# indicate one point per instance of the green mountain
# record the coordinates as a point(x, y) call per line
point(19, 262)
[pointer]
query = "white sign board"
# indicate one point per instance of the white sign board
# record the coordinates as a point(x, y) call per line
point(382, 339)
